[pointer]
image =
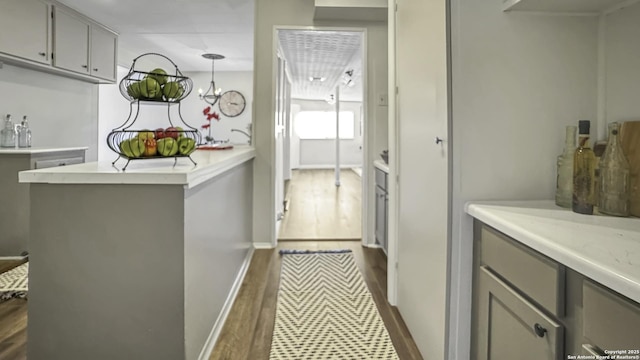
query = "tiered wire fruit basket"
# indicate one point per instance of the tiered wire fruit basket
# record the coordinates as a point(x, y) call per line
point(155, 87)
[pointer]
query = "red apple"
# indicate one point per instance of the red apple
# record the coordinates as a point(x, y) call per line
point(160, 133)
point(150, 147)
point(172, 132)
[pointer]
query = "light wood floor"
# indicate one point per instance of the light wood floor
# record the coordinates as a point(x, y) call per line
point(248, 330)
point(13, 323)
point(320, 210)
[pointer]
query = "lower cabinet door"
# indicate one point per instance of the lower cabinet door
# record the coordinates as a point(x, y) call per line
point(510, 327)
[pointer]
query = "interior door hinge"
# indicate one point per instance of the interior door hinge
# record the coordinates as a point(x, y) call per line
point(396, 7)
point(397, 90)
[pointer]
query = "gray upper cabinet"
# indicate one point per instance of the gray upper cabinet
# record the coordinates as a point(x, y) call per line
point(83, 46)
point(25, 30)
point(47, 36)
point(70, 41)
point(103, 53)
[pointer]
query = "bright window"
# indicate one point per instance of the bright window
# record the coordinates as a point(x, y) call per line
point(322, 125)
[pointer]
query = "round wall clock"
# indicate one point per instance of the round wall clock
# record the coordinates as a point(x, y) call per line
point(232, 103)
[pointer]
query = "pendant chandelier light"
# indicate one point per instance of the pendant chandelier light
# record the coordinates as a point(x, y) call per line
point(212, 94)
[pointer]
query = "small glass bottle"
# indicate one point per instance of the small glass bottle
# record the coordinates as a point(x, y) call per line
point(615, 182)
point(8, 134)
point(24, 134)
point(564, 180)
point(584, 161)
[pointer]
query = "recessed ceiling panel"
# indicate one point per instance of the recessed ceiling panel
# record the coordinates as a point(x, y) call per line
point(323, 54)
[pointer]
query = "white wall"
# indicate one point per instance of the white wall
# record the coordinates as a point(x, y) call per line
point(114, 109)
point(270, 13)
point(518, 80)
point(622, 69)
point(322, 153)
point(62, 112)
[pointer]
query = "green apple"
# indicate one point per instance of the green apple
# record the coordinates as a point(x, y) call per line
point(158, 75)
point(125, 148)
point(172, 90)
point(180, 132)
point(167, 146)
point(146, 134)
point(137, 147)
point(186, 145)
point(134, 90)
point(149, 88)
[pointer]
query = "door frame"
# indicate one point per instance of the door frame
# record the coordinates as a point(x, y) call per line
point(366, 198)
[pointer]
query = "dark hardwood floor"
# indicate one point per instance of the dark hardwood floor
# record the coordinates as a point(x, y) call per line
point(248, 330)
point(13, 322)
point(249, 327)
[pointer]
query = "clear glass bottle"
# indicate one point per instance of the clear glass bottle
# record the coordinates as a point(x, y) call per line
point(24, 134)
point(584, 161)
point(8, 134)
point(564, 180)
point(614, 182)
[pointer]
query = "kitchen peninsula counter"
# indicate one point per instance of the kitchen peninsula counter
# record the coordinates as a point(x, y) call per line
point(137, 264)
point(210, 163)
point(603, 248)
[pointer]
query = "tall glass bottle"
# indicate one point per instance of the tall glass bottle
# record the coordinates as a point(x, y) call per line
point(8, 134)
point(614, 182)
point(24, 134)
point(584, 161)
point(564, 180)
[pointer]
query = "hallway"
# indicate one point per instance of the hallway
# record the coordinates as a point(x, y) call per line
point(319, 210)
point(248, 329)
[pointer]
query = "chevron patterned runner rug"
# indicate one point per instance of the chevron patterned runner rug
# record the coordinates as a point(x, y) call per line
point(14, 283)
point(325, 311)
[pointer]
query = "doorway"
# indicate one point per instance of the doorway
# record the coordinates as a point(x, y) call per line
point(321, 132)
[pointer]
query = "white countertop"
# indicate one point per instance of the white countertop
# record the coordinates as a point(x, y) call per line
point(380, 164)
point(603, 248)
point(38, 150)
point(153, 171)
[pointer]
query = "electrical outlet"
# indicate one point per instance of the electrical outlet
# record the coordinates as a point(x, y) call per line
point(383, 99)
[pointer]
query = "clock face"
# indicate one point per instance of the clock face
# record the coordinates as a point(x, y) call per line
point(232, 103)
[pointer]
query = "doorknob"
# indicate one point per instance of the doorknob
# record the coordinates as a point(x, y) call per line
point(438, 140)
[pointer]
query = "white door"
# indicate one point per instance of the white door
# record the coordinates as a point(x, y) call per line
point(279, 137)
point(422, 115)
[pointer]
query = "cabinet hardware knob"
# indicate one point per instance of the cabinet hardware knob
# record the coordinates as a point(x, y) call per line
point(95, 69)
point(85, 66)
point(438, 140)
point(539, 330)
point(42, 54)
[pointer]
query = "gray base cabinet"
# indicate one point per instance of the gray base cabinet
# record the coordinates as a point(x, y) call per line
point(528, 306)
point(382, 208)
point(14, 212)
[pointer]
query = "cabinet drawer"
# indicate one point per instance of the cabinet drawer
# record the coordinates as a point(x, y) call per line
point(541, 278)
point(42, 164)
point(381, 179)
point(610, 321)
point(511, 327)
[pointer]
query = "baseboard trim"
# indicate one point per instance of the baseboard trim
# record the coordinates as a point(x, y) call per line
point(263, 245)
point(205, 353)
point(343, 167)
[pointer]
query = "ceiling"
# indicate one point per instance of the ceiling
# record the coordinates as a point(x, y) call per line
point(183, 30)
point(326, 55)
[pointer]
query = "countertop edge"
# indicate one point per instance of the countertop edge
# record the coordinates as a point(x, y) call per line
point(188, 179)
point(36, 150)
point(585, 265)
point(381, 165)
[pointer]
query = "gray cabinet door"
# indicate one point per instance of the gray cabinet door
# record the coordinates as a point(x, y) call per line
point(510, 327)
point(24, 29)
point(70, 42)
point(103, 53)
point(380, 217)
